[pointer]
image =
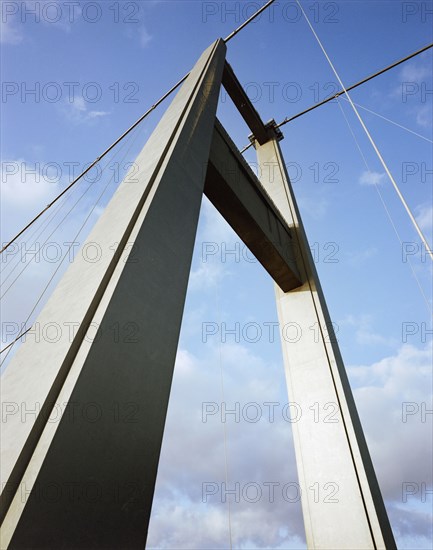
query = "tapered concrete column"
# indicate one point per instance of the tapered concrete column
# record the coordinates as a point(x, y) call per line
point(92, 474)
point(341, 501)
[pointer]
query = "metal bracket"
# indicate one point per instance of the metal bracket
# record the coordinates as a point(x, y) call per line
point(272, 130)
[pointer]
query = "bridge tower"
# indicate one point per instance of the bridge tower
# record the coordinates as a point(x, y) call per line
point(188, 154)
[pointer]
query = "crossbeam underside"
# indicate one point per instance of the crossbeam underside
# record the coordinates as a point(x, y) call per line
point(237, 194)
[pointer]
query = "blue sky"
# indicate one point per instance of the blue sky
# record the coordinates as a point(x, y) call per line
point(116, 67)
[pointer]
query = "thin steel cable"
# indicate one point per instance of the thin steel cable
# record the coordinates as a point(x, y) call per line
point(248, 21)
point(55, 229)
point(390, 121)
point(246, 148)
point(370, 138)
point(14, 341)
point(363, 81)
point(342, 92)
point(38, 229)
point(388, 213)
point(152, 108)
point(27, 264)
point(10, 346)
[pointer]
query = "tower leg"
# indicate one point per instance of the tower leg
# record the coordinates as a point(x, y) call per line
point(341, 500)
point(101, 459)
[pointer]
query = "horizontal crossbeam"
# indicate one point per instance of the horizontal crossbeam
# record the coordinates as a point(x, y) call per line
point(237, 194)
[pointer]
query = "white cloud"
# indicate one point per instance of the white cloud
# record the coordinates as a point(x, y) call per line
point(207, 275)
point(98, 210)
point(24, 184)
point(214, 225)
point(415, 72)
point(401, 451)
point(390, 395)
point(28, 265)
point(370, 177)
point(365, 332)
point(414, 80)
point(315, 207)
point(77, 111)
point(359, 257)
point(216, 236)
point(180, 518)
point(424, 116)
point(79, 104)
point(10, 33)
point(97, 114)
point(55, 14)
point(139, 33)
point(425, 217)
point(145, 37)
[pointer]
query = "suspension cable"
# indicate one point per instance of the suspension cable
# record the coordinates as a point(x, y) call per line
point(26, 265)
point(36, 233)
point(388, 213)
point(101, 156)
point(152, 108)
point(10, 346)
point(248, 21)
point(371, 140)
point(391, 121)
point(363, 81)
point(345, 90)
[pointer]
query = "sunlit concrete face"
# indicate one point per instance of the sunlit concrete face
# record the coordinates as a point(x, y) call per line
point(341, 501)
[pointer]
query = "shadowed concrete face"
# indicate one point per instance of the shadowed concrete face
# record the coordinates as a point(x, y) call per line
point(235, 191)
point(111, 463)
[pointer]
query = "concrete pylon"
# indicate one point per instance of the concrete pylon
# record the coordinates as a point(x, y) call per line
point(88, 480)
point(341, 500)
